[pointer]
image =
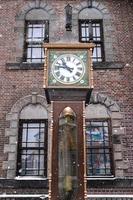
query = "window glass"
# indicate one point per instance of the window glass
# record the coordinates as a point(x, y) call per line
point(36, 34)
point(32, 148)
point(98, 148)
point(91, 30)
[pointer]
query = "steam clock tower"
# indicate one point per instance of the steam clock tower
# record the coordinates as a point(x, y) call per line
point(68, 83)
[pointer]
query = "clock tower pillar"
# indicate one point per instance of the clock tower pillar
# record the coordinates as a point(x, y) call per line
point(68, 83)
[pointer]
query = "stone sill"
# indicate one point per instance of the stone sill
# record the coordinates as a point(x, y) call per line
point(115, 182)
point(40, 66)
point(24, 66)
point(108, 65)
point(100, 178)
point(21, 183)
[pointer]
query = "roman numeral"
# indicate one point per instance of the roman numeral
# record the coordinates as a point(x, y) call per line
point(74, 60)
point(74, 78)
point(78, 63)
point(68, 58)
point(57, 63)
point(62, 59)
point(80, 68)
point(67, 79)
point(62, 77)
point(78, 74)
point(57, 73)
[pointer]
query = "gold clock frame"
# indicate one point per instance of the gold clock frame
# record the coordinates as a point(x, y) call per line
point(64, 46)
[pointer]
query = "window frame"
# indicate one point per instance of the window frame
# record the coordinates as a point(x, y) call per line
point(101, 42)
point(111, 154)
point(26, 43)
point(20, 148)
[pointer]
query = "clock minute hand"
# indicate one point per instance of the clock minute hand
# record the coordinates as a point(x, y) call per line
point(66, 67)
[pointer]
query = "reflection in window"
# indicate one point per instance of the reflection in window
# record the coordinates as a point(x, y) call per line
point(32, 148)
point(36, 34)
point(98, 148)
point(91, 30)
point(67, 154)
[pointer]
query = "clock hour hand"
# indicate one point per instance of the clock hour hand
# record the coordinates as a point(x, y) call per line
point(66, 67)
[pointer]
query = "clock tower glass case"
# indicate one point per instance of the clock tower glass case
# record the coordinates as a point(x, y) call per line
point(67, 155)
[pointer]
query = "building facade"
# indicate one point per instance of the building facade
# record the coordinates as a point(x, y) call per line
point(26, 115)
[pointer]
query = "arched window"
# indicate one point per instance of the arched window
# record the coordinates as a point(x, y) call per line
point(36, 32)
point(91, 29)
point(32, 145)
point(99, 149)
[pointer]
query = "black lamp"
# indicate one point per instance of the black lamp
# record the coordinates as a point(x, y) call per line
point(68, 26)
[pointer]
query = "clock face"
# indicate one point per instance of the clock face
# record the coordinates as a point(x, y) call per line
point(68, 69)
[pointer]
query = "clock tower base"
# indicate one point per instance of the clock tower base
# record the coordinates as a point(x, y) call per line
point(67, 180)
point(59, 94)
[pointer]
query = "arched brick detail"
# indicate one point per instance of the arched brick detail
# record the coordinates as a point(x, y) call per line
point(104, 100)
point(12, 132)
point(114, 113)
point(34, 5)
point(108, 26)
point(20, 22)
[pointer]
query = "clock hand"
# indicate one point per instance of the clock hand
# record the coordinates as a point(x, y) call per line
point(66, 67)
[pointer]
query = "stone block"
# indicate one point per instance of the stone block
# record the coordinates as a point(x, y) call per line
point(101, 6)
point(119, 165)
point(114, 108)
point(11, 164)
point(5, 165)
point(48, 8)
point(118, 131)
point(84, 4)
point(37, 3)
point(51, 12)
point(116, 123)
point(9, 148)
point(20, 24)
point(11, 131)
point(77, 8)
point(117, 147)
point(106, 16)
point(116, 115)
point(31, 5)
point(6, 148)
point(42, 4)
point(118, 156)
point(11, 156)
point(125, 164)
point(75, 17)
point(12, 139)
point(10, 174)
point(119, 173)
point(12, 116)
point(14, 124)
point(95, 4)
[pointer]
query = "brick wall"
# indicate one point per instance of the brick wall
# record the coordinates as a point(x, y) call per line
point(16, 83)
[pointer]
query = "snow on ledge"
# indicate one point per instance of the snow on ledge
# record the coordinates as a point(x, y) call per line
point(42, 196)
point(29, 178)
